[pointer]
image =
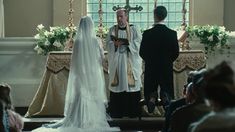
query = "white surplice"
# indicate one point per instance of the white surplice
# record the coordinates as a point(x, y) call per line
point(118, 60)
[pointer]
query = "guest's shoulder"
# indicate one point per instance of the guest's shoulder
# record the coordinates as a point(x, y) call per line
point(184, 110)
point(181, 110)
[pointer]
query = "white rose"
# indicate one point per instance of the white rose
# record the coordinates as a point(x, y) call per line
point(38, 49)
point(231, 34)
point(74, 28)
point(220, 37)
point(222, 28)
point(46, 33)
point(51, 34)
point(57, 44)
point(210, 38)
point(47, 43)
point(52, 29)
point(40, 26)
point(67, 29)
point(37, 36)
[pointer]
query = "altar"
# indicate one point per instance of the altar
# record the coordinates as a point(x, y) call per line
point(50, 96)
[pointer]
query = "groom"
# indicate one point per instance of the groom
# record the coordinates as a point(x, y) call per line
point(159, 49)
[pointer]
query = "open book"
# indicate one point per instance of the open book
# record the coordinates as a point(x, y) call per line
point(114, 38)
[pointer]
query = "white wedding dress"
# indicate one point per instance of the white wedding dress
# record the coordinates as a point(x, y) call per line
point(85, 98)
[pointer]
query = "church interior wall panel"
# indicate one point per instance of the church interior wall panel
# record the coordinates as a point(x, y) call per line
point(22, 17)
point(229, 19)
point(21, 67)
point(216, 57)
point(207, 12)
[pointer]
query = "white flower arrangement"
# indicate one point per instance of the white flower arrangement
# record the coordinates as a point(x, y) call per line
point(231, 34)
point(213, 37)
point(101, 32)
point(53, 40)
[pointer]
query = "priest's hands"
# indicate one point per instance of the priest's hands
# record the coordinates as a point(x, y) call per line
point(118, 43)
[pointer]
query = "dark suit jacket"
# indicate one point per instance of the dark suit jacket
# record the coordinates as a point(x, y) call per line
point(184, 116)
point(159, 49)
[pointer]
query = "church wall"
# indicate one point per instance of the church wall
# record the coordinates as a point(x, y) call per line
point(22, 17)
point(207, 12)
point(229, 19)
point(216, 57)
point(21, 67)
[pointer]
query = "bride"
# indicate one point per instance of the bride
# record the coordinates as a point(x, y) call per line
point(85, 96)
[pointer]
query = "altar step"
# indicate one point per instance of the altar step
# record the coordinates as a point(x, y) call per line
point(125, 124)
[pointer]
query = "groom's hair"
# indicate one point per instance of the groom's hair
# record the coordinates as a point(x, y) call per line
point(160, 12)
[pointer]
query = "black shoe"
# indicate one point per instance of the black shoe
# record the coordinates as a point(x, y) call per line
point(151, 106)
point(142, 102)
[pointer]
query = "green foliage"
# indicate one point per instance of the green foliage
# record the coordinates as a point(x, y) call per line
point(213, 37)
point(101, 32)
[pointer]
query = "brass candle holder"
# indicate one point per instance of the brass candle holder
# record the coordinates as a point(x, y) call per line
point(69, 43)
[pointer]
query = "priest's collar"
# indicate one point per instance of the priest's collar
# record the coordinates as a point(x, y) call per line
point(123, 28)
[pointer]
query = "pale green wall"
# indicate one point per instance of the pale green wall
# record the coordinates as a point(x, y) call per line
point(229, 19)
point(22, 16)
point(207, 12)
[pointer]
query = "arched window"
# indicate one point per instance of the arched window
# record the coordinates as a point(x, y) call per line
point(143, 18)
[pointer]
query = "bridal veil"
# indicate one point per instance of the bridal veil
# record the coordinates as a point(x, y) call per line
point(85, 97)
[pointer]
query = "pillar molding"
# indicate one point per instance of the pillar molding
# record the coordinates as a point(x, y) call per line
point(205, 12)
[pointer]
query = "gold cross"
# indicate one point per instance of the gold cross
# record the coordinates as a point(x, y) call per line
point(128, 7)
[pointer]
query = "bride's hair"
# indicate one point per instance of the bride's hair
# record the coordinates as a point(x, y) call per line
point(86, 27)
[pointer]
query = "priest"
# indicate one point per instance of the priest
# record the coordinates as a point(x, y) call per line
point(125, 67)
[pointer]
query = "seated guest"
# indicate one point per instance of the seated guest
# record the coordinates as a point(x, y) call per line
point(14, 122)
point(2, 115)
point(195, 107)
point(219, 88)
point(176, 104)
